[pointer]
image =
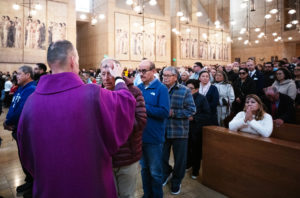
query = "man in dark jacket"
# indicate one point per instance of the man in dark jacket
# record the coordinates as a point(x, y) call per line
point(39, 70)
point(269, 74)
point(230, 73)
point(280, 106)
point(257, 76)
point(26, 88)
point(125, 161)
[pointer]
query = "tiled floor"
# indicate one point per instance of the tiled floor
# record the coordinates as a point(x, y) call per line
point(11, 174)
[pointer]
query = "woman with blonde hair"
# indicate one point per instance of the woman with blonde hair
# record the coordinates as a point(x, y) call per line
point(253, 119)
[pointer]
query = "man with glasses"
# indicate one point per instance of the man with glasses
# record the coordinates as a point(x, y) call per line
point(26, 88)
point(268, 74)
point(257, 76)
point(157, 106)
point(125, 161)
point(182, 108)
point(197, 68)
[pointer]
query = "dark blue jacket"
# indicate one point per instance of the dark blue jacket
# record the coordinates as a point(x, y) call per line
point(212, 97)
point(259, 80)
point(157, 101)
point(18, 101)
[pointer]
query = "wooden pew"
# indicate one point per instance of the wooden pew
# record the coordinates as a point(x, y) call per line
point(239, 164)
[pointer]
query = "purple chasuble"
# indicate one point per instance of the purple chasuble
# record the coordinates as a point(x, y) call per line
point(67, 133)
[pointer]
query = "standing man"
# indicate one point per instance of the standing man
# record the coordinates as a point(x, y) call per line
point(157, 107)
point(257, 76)
point(125, 161)
point(197, 68)
point(69, 130)
point(26, 88)
point(177, 130)
point(39, 70)
point(269, 74)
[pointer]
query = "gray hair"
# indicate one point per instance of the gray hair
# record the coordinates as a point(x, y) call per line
point(105, 61)
point(271, 88)
point(172, 69)
point(27, 70)
point(59, 51)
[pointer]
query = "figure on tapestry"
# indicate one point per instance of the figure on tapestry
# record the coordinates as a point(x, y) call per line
point(10, 32)
point(161, 45)
point(136, 43)
point(122, 42)
point(35, 34)
point(57, 31)
point(149, 44)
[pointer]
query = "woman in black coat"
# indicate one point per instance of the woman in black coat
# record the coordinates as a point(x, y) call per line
point(243, 86)
point(200, 119)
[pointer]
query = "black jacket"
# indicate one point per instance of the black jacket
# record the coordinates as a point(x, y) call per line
point(269, 78)
point(285, 110)
point(258, 78)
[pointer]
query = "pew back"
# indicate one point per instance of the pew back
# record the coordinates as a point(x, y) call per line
point(244, 165)
point(289, 132)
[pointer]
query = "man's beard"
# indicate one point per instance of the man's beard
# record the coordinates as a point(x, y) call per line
point(36, 76)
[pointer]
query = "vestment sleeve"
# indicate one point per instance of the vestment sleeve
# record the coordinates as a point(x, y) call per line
point(117, 115)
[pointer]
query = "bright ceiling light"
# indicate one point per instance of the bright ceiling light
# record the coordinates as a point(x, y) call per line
point(274, 34)
point(16, 6)
point(82, 16)
point(94, 21)
point(188, 30)
point(174, 30)
point(273, 11)
point(295, 22)
point(129, 2)
point(246, 42)
point(256, 41)
point(38, 6)
point(101, 16)
point(269, 0)
point(217, 23)
point(137, 9)
point(268, 16)
point(33, 12)
point(279, 37)
point(290, 38)
point(243, 5)
point(276, 40)
point(240, 38)
point(228, 39)
point(180, 14)
point(199, 14)
point(232, 22)
point(257, 29)
point(152, 2)
point(204, 35)
point(288, 25)
point(183, 18)
point(292, 11)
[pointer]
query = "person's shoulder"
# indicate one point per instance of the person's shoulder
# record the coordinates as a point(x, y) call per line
point(267, 116)
point(241, 114)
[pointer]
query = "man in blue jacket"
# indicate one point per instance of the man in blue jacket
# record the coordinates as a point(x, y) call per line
point(157, 107)
point(26, 88)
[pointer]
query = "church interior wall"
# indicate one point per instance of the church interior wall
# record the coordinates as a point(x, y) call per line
point(29, 37)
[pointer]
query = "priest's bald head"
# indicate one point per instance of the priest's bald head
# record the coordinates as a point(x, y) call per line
point(63, 57)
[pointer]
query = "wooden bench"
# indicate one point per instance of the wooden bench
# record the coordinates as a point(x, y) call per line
point(239, 164)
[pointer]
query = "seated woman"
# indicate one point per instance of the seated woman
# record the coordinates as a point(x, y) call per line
point(253, 119)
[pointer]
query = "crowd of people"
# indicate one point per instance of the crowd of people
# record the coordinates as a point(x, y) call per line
point(85, 135)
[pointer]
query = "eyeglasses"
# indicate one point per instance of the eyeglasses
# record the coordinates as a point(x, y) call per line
point(242, 73)
point(168, 75)
point(143, 71)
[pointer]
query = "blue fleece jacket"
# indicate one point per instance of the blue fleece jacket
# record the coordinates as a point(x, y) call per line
point(18, 101)
point(158, 106)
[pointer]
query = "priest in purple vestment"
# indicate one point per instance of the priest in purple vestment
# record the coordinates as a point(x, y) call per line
point(69, 130)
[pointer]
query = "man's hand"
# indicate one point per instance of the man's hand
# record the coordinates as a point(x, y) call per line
point(278, 122)
point(116, 71)
point(8, 127)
